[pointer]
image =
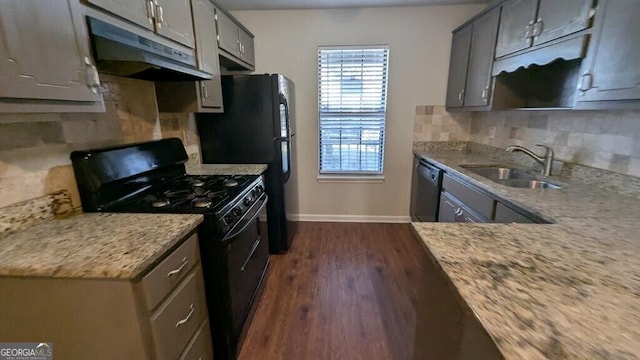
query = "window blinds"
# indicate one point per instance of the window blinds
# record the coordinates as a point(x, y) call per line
point(352, 101)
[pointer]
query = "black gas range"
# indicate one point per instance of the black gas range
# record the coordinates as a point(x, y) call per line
point(151, 178)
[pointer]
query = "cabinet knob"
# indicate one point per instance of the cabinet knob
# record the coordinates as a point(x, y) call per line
point(586, 82)
point(160, 15)
point(537, 28)
point(205, 91)
point(151, 10)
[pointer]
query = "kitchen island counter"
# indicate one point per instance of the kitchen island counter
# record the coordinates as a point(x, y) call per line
point(94, 246)
point(569, 290)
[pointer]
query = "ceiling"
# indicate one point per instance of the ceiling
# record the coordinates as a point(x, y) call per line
point(326, 4)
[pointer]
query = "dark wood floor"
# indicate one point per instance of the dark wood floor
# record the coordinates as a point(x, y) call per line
point(344, 291)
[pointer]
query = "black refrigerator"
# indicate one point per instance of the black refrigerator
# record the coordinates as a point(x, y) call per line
point(258, 127)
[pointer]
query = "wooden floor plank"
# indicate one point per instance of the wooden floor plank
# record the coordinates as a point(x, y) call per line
point(343, 291)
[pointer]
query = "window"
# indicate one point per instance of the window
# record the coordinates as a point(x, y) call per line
point(352, 103)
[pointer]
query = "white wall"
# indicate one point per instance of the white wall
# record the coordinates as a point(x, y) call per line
point(419, 39)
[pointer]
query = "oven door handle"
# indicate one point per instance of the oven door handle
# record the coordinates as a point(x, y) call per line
point(253, 250)
point(247, 218)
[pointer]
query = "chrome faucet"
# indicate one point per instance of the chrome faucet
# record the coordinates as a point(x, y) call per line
point(546, 160)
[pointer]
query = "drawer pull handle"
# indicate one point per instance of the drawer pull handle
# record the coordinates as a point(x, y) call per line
point(177, 271)
point(184, 321)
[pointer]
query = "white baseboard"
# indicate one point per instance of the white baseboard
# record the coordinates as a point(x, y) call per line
point(351, 218)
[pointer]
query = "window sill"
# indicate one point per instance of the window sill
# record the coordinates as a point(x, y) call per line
point(368, 179)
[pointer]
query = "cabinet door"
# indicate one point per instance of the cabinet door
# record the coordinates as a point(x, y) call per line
point(204, 18)
point(247, 53)
point(173, 20)
point(611, 71)
point(505, 215)
point(560, 18)
point(448, 208)
point(485, 30)
point(458, 64)
point(43, 49)
point(137, 11)
point(516, 24)
point(211, 94)
point(227, 34)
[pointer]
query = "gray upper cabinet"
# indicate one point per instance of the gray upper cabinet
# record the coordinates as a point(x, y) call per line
point(559, 18)
point(173, 20)
point(516, 26)
point(458, 65)
point(247, 53)
point(234, 42)
point(478, 87)
point(204, 17)
point(227, 34)
point(611, 71)
point(46, 62)
point(169, 18)
point(202, 96)
point(526, 23)
point(471, 62)
point(136, 11)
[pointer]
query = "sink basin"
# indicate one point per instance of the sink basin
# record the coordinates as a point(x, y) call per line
point(529, 184)
point(510, 177)
point(499, 173)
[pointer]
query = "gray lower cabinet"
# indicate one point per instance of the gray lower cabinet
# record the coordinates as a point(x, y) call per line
point(506, 215)
point(458, 66)
point(202, 96)
point(610, 70)
point(234, 42)
point(161, 316)
point(453, 210)
point(46, 60)
point(526, 23)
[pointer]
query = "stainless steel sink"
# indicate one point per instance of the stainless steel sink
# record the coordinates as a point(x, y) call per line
point(529, 184)
point(510, 177)
point(499, 173)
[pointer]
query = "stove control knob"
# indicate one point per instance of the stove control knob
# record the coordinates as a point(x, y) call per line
point(236, 212)
point(253, 193)
point(247, 201)
point(228, 219)
point(259, 189)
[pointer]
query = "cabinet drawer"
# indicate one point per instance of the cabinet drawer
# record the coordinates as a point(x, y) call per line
point(452, 210)
point(472, 198)
point(200, 346)
point(178, 318)
point(164, 277)
point(507, 215)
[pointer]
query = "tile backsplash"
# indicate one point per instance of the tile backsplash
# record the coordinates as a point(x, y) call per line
point(434, 123)
point(608, 140)
point(34, 148)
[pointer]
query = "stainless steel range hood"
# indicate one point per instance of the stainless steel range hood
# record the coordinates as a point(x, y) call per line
point(121, 52)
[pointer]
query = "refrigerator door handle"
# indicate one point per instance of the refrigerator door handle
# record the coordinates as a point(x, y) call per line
point(288, 173)
point(283, 101)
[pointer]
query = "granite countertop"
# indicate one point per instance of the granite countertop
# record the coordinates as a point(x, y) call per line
point(98, 246)
point(226, 169)
point(569, 290)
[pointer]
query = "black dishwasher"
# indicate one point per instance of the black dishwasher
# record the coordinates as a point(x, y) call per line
point(425, 191)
